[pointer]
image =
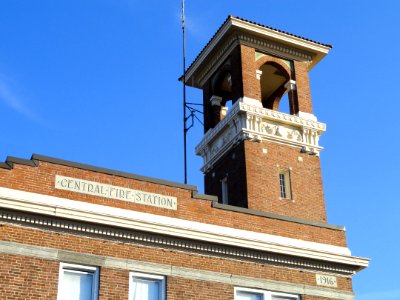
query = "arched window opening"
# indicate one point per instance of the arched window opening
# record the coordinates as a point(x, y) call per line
point(222, 87)
point(274, 87)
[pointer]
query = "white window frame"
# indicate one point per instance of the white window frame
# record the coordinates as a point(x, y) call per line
point(145, 276)
point(224, 190)
point(78, 268)
point(266, 295)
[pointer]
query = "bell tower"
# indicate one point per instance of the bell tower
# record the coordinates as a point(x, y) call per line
point(256, 154)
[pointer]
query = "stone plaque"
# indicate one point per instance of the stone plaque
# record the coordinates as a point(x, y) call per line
point(114, 192)
point(326, 280)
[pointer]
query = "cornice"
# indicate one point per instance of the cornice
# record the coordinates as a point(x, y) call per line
point(238, 38)
point(246, 121)
point(207, 50)
point(167, 242)
point(178, 228)
point(265, 39)
point(216, 61)
point(281, 36)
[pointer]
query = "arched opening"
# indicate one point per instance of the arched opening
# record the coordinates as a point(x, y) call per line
point(275, 87)
point(222, 87)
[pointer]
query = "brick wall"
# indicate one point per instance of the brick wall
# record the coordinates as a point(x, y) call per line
point(16, 271)
point(251, 85)
point(262, 176)
point(41, 180)
point(233, 167)
point(24, 277)
point(179, 288)
point(303, 86)
point(253, 180)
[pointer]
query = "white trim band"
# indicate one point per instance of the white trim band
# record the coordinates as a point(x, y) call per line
point(123, 218)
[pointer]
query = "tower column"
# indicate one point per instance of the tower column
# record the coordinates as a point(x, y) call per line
point(207, 93)
point(236, 73)
point(251, 85)
point(303, 87)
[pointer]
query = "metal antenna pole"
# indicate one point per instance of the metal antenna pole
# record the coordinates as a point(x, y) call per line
point(184, 91)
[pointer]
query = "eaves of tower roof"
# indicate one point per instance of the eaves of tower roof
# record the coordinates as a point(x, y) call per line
point(316, 49)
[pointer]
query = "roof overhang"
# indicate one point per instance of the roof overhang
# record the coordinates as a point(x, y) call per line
point(239, 31)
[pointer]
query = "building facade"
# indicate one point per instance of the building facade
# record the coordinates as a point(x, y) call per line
point(74, 231)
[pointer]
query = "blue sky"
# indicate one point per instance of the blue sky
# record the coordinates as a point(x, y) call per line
point(95, 81)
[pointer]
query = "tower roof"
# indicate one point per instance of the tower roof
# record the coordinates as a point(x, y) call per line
point(263, 38)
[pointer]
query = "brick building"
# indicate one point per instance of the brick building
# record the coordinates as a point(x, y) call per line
point(74, 231)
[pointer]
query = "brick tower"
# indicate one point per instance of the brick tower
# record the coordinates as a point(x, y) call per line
point(256, 156)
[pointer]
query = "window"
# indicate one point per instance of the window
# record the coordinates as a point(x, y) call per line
point(146, 287)
point(253, 294)
point(78, 282)
point(242, 295)
point(284, 184)
point(224, 190)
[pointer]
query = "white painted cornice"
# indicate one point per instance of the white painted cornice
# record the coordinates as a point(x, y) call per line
point(128, 219)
